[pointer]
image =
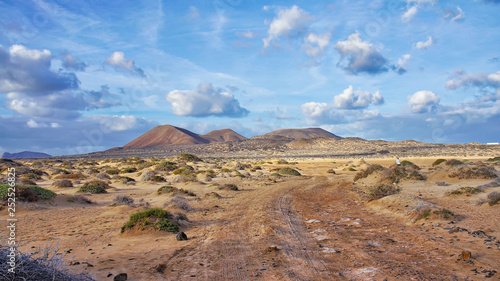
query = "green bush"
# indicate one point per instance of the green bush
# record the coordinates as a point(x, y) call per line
point(494, 159)
point(28, 193)
point(166, 166)
point(154, 218)
point(289, 171)
point(129, 170)
point(184, 171)
point(94, 187)
point(282, 162)
point(166, 189)
point(406, 163)
point(438, 161)
point(370, 170)
point(158, 178)
point(189, 157)
point(454, 162)
point(112, 171)
point(379, 191)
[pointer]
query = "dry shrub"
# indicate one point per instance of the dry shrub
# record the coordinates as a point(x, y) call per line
point(94, 187)
point(44, 264)
point(370, 170)
point(78, 199)
point(438, 161)
point(70, 176)
point(229, 186)
point(454, 162)
point(379, 191)
point(429, 213)
point(465, 190)
point(181, 203)
point(123, 200)
point(485, 172)
point(493, 198)
point(62, 183)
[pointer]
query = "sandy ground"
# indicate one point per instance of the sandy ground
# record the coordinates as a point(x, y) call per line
point(321, 224)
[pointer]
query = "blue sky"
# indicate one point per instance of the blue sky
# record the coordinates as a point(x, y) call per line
point(83, 76)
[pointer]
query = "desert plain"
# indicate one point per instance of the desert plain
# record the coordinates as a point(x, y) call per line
point(268, 217)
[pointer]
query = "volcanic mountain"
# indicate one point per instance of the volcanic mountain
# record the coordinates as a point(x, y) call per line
point(166, 135)
point(223, 135)
point(307, 133)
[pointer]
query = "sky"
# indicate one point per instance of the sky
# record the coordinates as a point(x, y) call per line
point(85, 76)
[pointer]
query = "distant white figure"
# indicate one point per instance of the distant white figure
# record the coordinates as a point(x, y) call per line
point(398, 162)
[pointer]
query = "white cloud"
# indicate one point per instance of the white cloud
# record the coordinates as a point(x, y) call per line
point(424, 45)
point(58, 105)
point(288, 23)
point(421, 1)
point(247, 34)
point(350, 99)
point(205, 101)
point(193, 13)
point(422, 101)
point(28, 70)
point(33, 124)
point(120, 123)
point(457, 15)
point(361, 56)
point(72, 63)
point(118, 60)
point(481, 80)
point(400, 67)
point(409, 14)
point(315, 43)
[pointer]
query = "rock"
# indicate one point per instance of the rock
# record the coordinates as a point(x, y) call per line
point(181, 236)
point(121, 277)
point(272, 248)
point(466, 255)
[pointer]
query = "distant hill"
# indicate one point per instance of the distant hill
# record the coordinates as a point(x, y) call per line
point(223, 135)
point(166, 135)
point(307, 133)
point(25, 154)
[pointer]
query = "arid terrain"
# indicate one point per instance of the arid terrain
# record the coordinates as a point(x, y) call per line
point(270, 218)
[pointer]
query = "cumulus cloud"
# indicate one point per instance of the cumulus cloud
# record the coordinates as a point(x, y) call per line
point(351, 99)
point(425, 44)
point(400, 67)
point(423, 101)
point(315, 44)
point(361, 56)
point(480, 80)
point(28, 70)
point(58, 105)
point(409, 14)
point(70, 62)
point(206, 100)
point(120, 123)
point(288, 23)
point(454, 15)
point(118, 60)
point(348, 106)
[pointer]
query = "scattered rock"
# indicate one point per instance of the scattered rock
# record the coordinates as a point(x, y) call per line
point(121, 277)
point(181, 236)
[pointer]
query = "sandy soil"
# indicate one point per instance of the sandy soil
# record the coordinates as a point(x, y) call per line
point(321, 224)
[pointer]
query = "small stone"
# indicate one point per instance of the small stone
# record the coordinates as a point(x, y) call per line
point(121, 277)
point(181, 236)
point(272, 248)
point(466, 255)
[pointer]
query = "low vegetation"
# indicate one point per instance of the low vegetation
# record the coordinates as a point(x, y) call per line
point(229, 186)
point(155, 218)
point(189, 157)
point(428, 213)
point(71, 176)
point(494, 159)
point(112, 171)
point(43, 264)
point(438, 161)
point(27, 193)
point(370, 170)
point(94, 187)
point(172, 189)
point(123, 200)
point(289, 171)
point(62, 183)
point(493, 198)
point(454, 162)
point(468, 190)
point(380, 191)
point(484, 172)
point(78, 199)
